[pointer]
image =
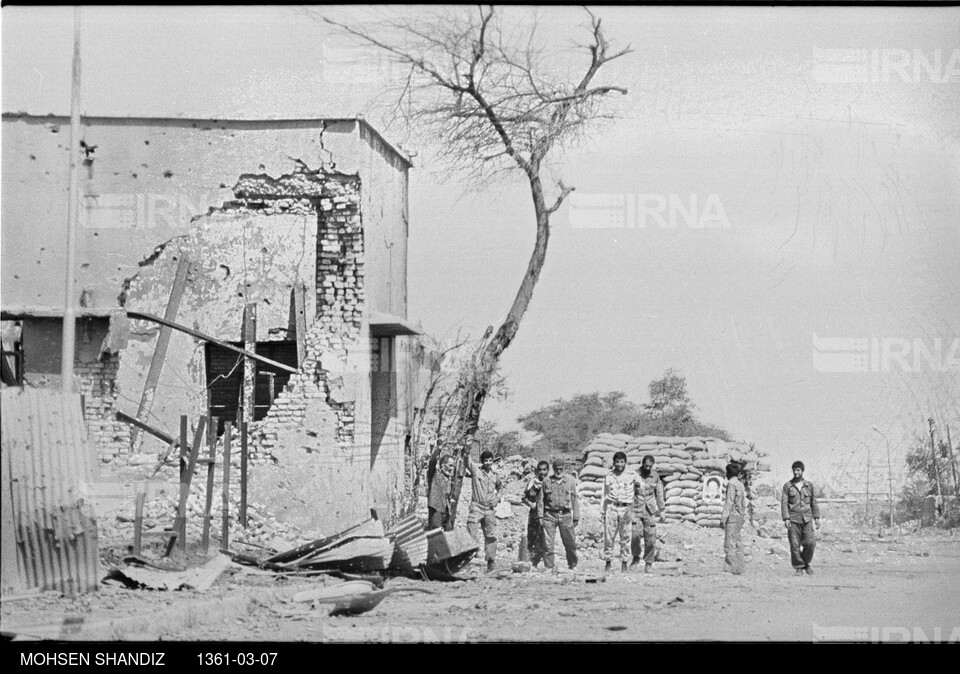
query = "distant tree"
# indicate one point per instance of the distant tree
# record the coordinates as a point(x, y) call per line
point(501, 444)
point(668, 397)
point(565, 426)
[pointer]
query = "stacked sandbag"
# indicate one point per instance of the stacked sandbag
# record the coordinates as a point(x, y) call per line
point(597, 462)
point(683, 463)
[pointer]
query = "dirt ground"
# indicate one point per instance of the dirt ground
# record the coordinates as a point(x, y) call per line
point(866, 588)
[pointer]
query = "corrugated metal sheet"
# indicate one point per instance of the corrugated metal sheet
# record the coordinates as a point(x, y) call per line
point(411, 539)
point(45, 458)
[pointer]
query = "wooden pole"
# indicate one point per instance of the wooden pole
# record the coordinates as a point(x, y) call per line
point(73, 216)
point(160, 351)
point(249, 337)
point(243, 474)
point(183, 446)
point(138, 521)
point(180, 525)
point(225, 532)
point(211, 463)
point(867, 512)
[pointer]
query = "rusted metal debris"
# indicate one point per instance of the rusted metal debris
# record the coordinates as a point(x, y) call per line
point(405, 549)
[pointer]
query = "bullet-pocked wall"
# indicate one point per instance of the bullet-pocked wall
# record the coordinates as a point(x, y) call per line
point(261, 210)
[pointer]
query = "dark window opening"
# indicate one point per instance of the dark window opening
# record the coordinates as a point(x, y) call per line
point(383, 399)
point(225, 369)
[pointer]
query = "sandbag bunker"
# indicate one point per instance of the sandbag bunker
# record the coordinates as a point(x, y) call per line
point(693, 470)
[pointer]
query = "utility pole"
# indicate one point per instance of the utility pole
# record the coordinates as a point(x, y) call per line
point(868, 487)
point(889, 474)
point(73, 216)
point(936, 465)
point(953, 464)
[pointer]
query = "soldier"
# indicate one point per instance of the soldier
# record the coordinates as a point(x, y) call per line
point(648, 506)
point(533, 499)
point(438, 495)
point(616, 508)
point(483, 503)
point(734, 513)
point(561, 509)
point(801, 515)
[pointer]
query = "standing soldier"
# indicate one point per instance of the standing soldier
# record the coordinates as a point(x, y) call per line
point(734, 512)
point(561, 509)
point(533, 499)
point(801, 515)
point(483, 503)
point(647, 509)
point(616, 509)
point(438, 493)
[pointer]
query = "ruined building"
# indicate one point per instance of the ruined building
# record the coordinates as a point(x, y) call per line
point(287, 238)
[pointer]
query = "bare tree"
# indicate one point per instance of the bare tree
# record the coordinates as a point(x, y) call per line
point(485, 91)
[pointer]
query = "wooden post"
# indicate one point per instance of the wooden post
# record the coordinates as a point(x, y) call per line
point(243, 475)
point(183, 446)
point(249, 337)
point(138, 520)
point(225, 533)
point(160, 352)
point(180, 525)
point(212, 461)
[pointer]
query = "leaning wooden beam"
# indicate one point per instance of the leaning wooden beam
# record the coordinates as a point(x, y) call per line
point(163, 340)
point(180, 526)
point(139, 315)
point(155, 432)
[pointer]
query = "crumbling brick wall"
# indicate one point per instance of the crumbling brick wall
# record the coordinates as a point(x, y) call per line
point(98, 386)
point(338, 324)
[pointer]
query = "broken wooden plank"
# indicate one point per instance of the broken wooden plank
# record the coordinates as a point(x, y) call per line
point(160, 352)
point(142, 425)
point(138, 521)
point(225, 533)
point(140, 315)
point(208, 501)
point(180, 524)
point(243, 475)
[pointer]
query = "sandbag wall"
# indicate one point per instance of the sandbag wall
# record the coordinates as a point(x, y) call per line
point(684, 465)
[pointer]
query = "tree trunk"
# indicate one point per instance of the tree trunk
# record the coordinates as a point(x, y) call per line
point(474, 395)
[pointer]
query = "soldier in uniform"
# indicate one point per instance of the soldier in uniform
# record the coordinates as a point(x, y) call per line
point(561, 510)
point(533, 499)
point(648, 507)
point(801, 516)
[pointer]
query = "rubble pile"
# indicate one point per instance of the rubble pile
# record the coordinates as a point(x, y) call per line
point(160, 512)
point(692, 470)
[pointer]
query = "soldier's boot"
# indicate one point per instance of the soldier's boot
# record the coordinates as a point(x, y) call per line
point(648, 568)
point(635, 562)
point(608, 567)
point(624, 568)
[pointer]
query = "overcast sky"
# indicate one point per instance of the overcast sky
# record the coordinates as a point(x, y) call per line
point(818, 146)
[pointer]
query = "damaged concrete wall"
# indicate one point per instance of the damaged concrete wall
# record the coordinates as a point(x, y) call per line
point(142, 182)
point(258, 207)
